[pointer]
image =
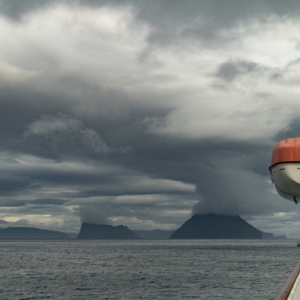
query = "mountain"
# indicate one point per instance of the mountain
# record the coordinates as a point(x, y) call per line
point(271, 236)
point(107, 232)
point(30, 233)
point(212, 226)
point(153, 234)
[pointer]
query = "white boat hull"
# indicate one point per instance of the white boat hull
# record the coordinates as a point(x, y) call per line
point(286, 177)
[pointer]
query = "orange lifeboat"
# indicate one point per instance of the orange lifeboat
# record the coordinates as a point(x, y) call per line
point(285, 168)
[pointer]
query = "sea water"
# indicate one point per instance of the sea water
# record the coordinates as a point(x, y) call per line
point(145, 269)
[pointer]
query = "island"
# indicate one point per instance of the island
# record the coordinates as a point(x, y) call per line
point(212, 226)
point(106, 232)
point(30, 233)
point(271, 236)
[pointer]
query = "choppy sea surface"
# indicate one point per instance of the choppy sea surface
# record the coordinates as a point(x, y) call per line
point(145, 269)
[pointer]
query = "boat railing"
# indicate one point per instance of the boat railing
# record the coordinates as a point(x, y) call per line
point(291, 287)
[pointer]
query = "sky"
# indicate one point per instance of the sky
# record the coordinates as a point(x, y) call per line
point(143, 113)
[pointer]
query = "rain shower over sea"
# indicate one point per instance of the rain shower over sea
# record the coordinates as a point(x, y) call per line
point(145, 269)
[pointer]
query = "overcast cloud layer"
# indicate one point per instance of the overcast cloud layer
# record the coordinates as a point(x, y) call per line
point(141, 113)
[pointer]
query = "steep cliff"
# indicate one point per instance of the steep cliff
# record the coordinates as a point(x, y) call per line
point(271, 236)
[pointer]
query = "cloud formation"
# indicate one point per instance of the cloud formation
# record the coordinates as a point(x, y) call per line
point(139, 113)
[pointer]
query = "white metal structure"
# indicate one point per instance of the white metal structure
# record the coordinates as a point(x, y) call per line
point(286, 177)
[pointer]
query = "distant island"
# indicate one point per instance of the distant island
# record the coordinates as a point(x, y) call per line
point(271, 236)
point(212, 226)
point(30, 233)
point(96, 231)
point(205, 226)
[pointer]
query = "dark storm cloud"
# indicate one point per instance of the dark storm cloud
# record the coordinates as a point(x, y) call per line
point(104, 121)
point(168, 13)
point(20, 105)
point(48, 201)
point(10, 184)
point(174, 21)
point(18, 203)
point(11, 203)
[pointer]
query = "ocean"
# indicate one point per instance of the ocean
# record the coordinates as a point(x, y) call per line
point(145, 269)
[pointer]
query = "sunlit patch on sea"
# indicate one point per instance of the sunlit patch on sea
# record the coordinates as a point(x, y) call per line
point(146, 269)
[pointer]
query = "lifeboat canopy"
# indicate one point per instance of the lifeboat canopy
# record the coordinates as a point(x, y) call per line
point(285, 168)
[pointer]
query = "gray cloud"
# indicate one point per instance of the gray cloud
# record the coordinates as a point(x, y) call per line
point(204, 22)
point(12, 184)
point(64, 132)
point(96, 214)
point(11, 203)
point(48, 201)
point(228, 71)
point(20, 222)
point(230, 191)
point(14, 9)
point(116, 118)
